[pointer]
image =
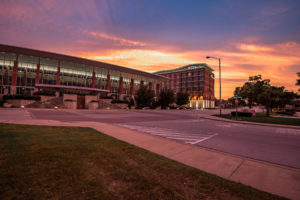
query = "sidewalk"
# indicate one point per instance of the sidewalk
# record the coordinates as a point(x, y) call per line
point(276, 179)
point(246, 122)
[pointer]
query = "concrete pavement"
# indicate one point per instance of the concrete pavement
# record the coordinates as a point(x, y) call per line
point(276, 179)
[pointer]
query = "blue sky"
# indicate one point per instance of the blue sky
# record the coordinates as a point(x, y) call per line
point(252, 37)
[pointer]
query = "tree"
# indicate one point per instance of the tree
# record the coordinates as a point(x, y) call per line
point(182, 98)
point(259, 90)
point(130, 103)
point(166, 97)
point(144, 97)
point(250, 90)
point(241, 101)
point(298, 80)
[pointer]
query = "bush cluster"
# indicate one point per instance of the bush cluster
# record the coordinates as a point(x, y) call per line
point(69, 100)
point(172, 107)
point(45, 93)
point(119, 101)
point(106, 97)
point(241, 114)
point(22, 96)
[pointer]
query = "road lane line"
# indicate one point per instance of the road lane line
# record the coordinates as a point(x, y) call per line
point(204, 139)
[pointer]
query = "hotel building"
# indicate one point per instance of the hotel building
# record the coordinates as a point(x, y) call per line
point(196, 79)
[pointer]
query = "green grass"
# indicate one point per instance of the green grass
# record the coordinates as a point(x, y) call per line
point(39, 162)
point(262, 118)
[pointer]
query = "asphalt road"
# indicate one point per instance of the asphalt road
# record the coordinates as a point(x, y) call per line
point(271, 144)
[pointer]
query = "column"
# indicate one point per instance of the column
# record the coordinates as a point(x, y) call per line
point(58, 76)
point(94, 80)
point(108, 83)
point(37, 75)
point(57, 81)
point(150, 85)
point(121, 88)
point(132, 88)
point(13, 87)
point(158, 88)
point(142, 83)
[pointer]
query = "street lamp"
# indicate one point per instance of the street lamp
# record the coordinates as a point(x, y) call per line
point(220, 102)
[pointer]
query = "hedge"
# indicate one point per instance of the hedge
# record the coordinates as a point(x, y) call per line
point(69, 100)
point(106, 97)
point(44, 93)
point(241, 114)
point(119, 101)
point(172, 107)
point(22, 96)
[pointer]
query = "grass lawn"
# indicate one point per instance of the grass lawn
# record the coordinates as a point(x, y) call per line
point(261, 118)
point(39, 162)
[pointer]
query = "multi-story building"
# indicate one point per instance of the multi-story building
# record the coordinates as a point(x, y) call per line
point(196, 79)
point(25, 71)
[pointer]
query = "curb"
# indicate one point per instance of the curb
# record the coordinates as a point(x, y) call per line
point(246, 122)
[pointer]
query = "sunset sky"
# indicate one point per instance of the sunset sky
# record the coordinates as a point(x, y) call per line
point(251, 37)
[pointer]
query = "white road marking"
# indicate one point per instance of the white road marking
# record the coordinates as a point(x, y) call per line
point(288, 131)
point(171, 134)
point(203, 139)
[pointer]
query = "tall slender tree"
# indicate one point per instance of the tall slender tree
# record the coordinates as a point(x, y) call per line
point(144, 97)
point(166, 97)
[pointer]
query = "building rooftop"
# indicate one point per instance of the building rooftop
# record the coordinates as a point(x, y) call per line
point(187, 67)
point(67, 58)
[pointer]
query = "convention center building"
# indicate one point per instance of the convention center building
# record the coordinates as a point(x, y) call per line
point(26, 71)
point(196, 79)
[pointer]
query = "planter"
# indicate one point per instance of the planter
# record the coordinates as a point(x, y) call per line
point(93, 105)
point(70, 96)
point(7, 105)
point(70, 104)
point(19, 102)
point(89, 99)
point(46, 98)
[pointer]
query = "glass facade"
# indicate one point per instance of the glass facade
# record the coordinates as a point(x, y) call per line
point(54, 73)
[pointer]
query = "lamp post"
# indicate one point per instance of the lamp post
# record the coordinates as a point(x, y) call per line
point(220, 101)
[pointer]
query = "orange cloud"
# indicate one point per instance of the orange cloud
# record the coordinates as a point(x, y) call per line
point(237, 65)
point(122, 41)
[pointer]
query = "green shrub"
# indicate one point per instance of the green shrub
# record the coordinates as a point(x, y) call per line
point(22, 96)
point(45, 93)
point(119, 101)
point(172, 107)
point(106, 97)
point(154, 105)
point(69, 100)
point(131, 103)
point(241, 114)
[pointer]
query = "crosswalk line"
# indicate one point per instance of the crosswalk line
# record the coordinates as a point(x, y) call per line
point(171, 134)
point(201, 140)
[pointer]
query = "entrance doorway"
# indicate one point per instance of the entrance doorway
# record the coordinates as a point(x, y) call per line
point(80, 102)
